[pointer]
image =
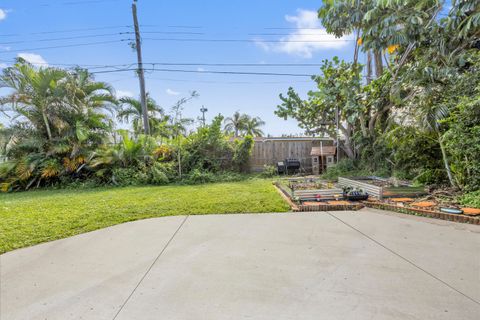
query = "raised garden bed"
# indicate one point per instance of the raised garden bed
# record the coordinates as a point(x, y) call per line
point(382, 188)
point(304, 199)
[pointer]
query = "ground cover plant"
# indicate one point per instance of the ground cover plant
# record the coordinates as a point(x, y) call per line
point(28, 218)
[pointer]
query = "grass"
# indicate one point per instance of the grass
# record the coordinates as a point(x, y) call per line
point(30, 218)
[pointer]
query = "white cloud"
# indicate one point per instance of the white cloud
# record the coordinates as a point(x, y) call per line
point(124, 93)
point(170, 92)
point(33, 58)
point(3, 65)
point(3, 14)
point(201, 69)
point(6, 48)
point(308, 37)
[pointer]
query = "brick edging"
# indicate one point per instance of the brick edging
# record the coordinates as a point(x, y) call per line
point(425, 213)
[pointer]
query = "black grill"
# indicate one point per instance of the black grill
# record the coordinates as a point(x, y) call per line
point(292, 165)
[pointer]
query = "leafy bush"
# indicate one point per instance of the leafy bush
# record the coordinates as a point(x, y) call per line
point(242, 151)
point(197, 176)
point(431, 177)
point(345, 167)
point(471, 199)
point(269, 171)
point(208, 149)
point(463, 142)
point(129, 176)
point(158, 175)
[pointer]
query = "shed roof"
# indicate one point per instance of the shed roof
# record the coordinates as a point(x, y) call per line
point(323, 151)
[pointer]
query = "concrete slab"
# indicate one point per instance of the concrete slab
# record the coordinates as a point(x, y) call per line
point(270, 266)
point(448, 250)
point(297, 266)
point(84, 277)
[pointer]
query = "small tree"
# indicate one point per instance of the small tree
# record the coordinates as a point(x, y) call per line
point(243, 150)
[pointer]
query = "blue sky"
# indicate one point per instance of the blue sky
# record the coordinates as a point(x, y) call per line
point(258, 22)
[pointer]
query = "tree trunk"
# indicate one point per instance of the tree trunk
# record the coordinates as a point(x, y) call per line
point(378, 62)
point(347, 145)
point(369, 66)
point(355, 53)
point(348, 148)
point(445, 161)
point(47, 125)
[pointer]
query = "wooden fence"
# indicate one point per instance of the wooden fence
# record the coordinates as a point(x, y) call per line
point(270, 151)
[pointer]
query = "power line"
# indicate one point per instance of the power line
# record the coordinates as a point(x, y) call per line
point(66, 46)
point(70, 3)
point(288, 34)
point(173, 32)
point(68, 38)
point(209, 72)
point(236, 64)
point(65, 31)
point(245, 40)
point(200, 64)
point(227, 82)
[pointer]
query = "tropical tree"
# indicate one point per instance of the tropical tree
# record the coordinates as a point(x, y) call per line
point(236, 123)
point(253, 125)
point(131, 111)
point(36, 96)
point(58, 118)
point(335, 104)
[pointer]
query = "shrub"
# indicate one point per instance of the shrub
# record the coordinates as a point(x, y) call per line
point(269, 171)
point(157, 174)
point(345, 167)
point(471, 199)
point(242, 151)
point(129, 176)
point(431, 177)
point(198, 176)
point(208, 149)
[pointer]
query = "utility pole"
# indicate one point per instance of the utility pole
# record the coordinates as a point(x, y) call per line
point(203, 110)
point(337, 120)
point(140, 71)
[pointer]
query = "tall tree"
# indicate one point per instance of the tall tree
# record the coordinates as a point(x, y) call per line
point(131, 111)
point(253, 125)
point(236, 123)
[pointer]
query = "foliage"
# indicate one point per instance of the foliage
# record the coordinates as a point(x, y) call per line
point(131, 111)
point(419, 118)
point(345, 167)
point(38, 216)
point(337, 93)
point(242, 151)
point(471, 199)
point(463, 141)
point(243, 124)
point(208, 149)
point(60, 118)
point(269, 171)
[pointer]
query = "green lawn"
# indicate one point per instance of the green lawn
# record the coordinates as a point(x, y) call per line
point(33, 217)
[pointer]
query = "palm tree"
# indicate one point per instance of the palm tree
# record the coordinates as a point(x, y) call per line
point(58, 122)
point(252, 126)
point(236, 123)
point(36, 95)
point(132, 111)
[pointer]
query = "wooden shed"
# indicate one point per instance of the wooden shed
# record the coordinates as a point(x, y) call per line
point(322, 158)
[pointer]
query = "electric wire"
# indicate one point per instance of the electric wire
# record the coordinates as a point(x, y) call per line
point(65, 46)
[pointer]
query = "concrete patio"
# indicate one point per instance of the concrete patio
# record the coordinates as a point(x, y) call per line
point(368, 264)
